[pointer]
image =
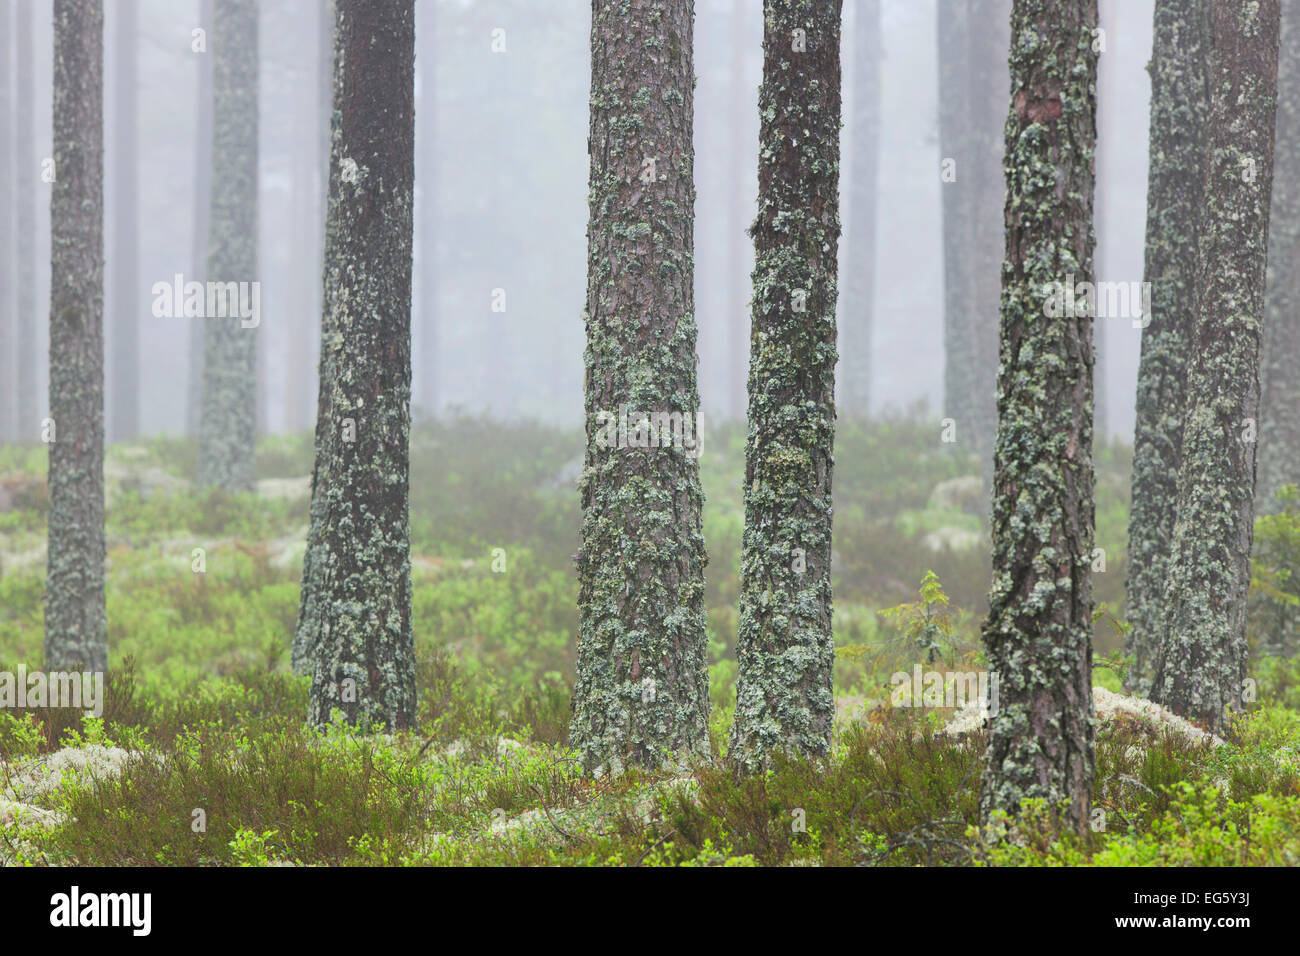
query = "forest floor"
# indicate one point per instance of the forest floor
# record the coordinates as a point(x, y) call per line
point(201, 757)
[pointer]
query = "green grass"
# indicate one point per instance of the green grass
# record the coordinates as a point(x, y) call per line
point(200, 692)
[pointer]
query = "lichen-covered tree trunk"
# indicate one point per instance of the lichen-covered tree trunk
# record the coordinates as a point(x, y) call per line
point(26, 179)
point(76, 627)
point(785, 648)
point(1038, 632)
point(1279, 414)
point(1180, 104)
point(855, 333)
point(228, 412)
point(363, 650)
point(641, 693)
point(1200, 664)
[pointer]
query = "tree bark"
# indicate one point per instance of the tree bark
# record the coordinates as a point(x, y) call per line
point(228, 416)
point(641, 695)
point(1180, 105)
point(76, 629)
point(785, 648)
point(1200, 667)
point(363, 648)
point(1038, 632)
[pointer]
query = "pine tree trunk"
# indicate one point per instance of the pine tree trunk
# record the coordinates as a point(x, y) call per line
point(123, 315)
point(641, 694)
point(1180, 104)
point(228, 415)
point(1038, 633)
point(1279, 425)
point(785, 651)
point(855, 334)
point(364, 652)
point(76, 629)
point(1200, 665)
point(28, 170)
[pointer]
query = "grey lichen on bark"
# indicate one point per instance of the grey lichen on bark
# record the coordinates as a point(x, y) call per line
point(785, 645)
point(641, 691)
point(76, 629)
point(362, 648)
point(228, 408)
point(1038, 633)
point(1279, 413)
point(1180, 106)
point(1200, 664)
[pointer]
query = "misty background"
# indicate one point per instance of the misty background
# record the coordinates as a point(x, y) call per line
point(501, 204)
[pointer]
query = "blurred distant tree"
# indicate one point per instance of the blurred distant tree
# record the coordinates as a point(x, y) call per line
point(26, 177)
point(1279, 413)
point(123, 312)
point(76, 627)
point(202, 211)
point(228, 410)
point(973, 42)
point(8, 316)
point(855, 328)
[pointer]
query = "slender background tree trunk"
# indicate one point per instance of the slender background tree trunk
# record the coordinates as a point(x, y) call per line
point(860, 262)
point(123, 317)
point(76, 627)
point(1279, 414)
point(228, 420)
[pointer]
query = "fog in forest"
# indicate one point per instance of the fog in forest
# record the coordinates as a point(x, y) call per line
point(501, 210)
